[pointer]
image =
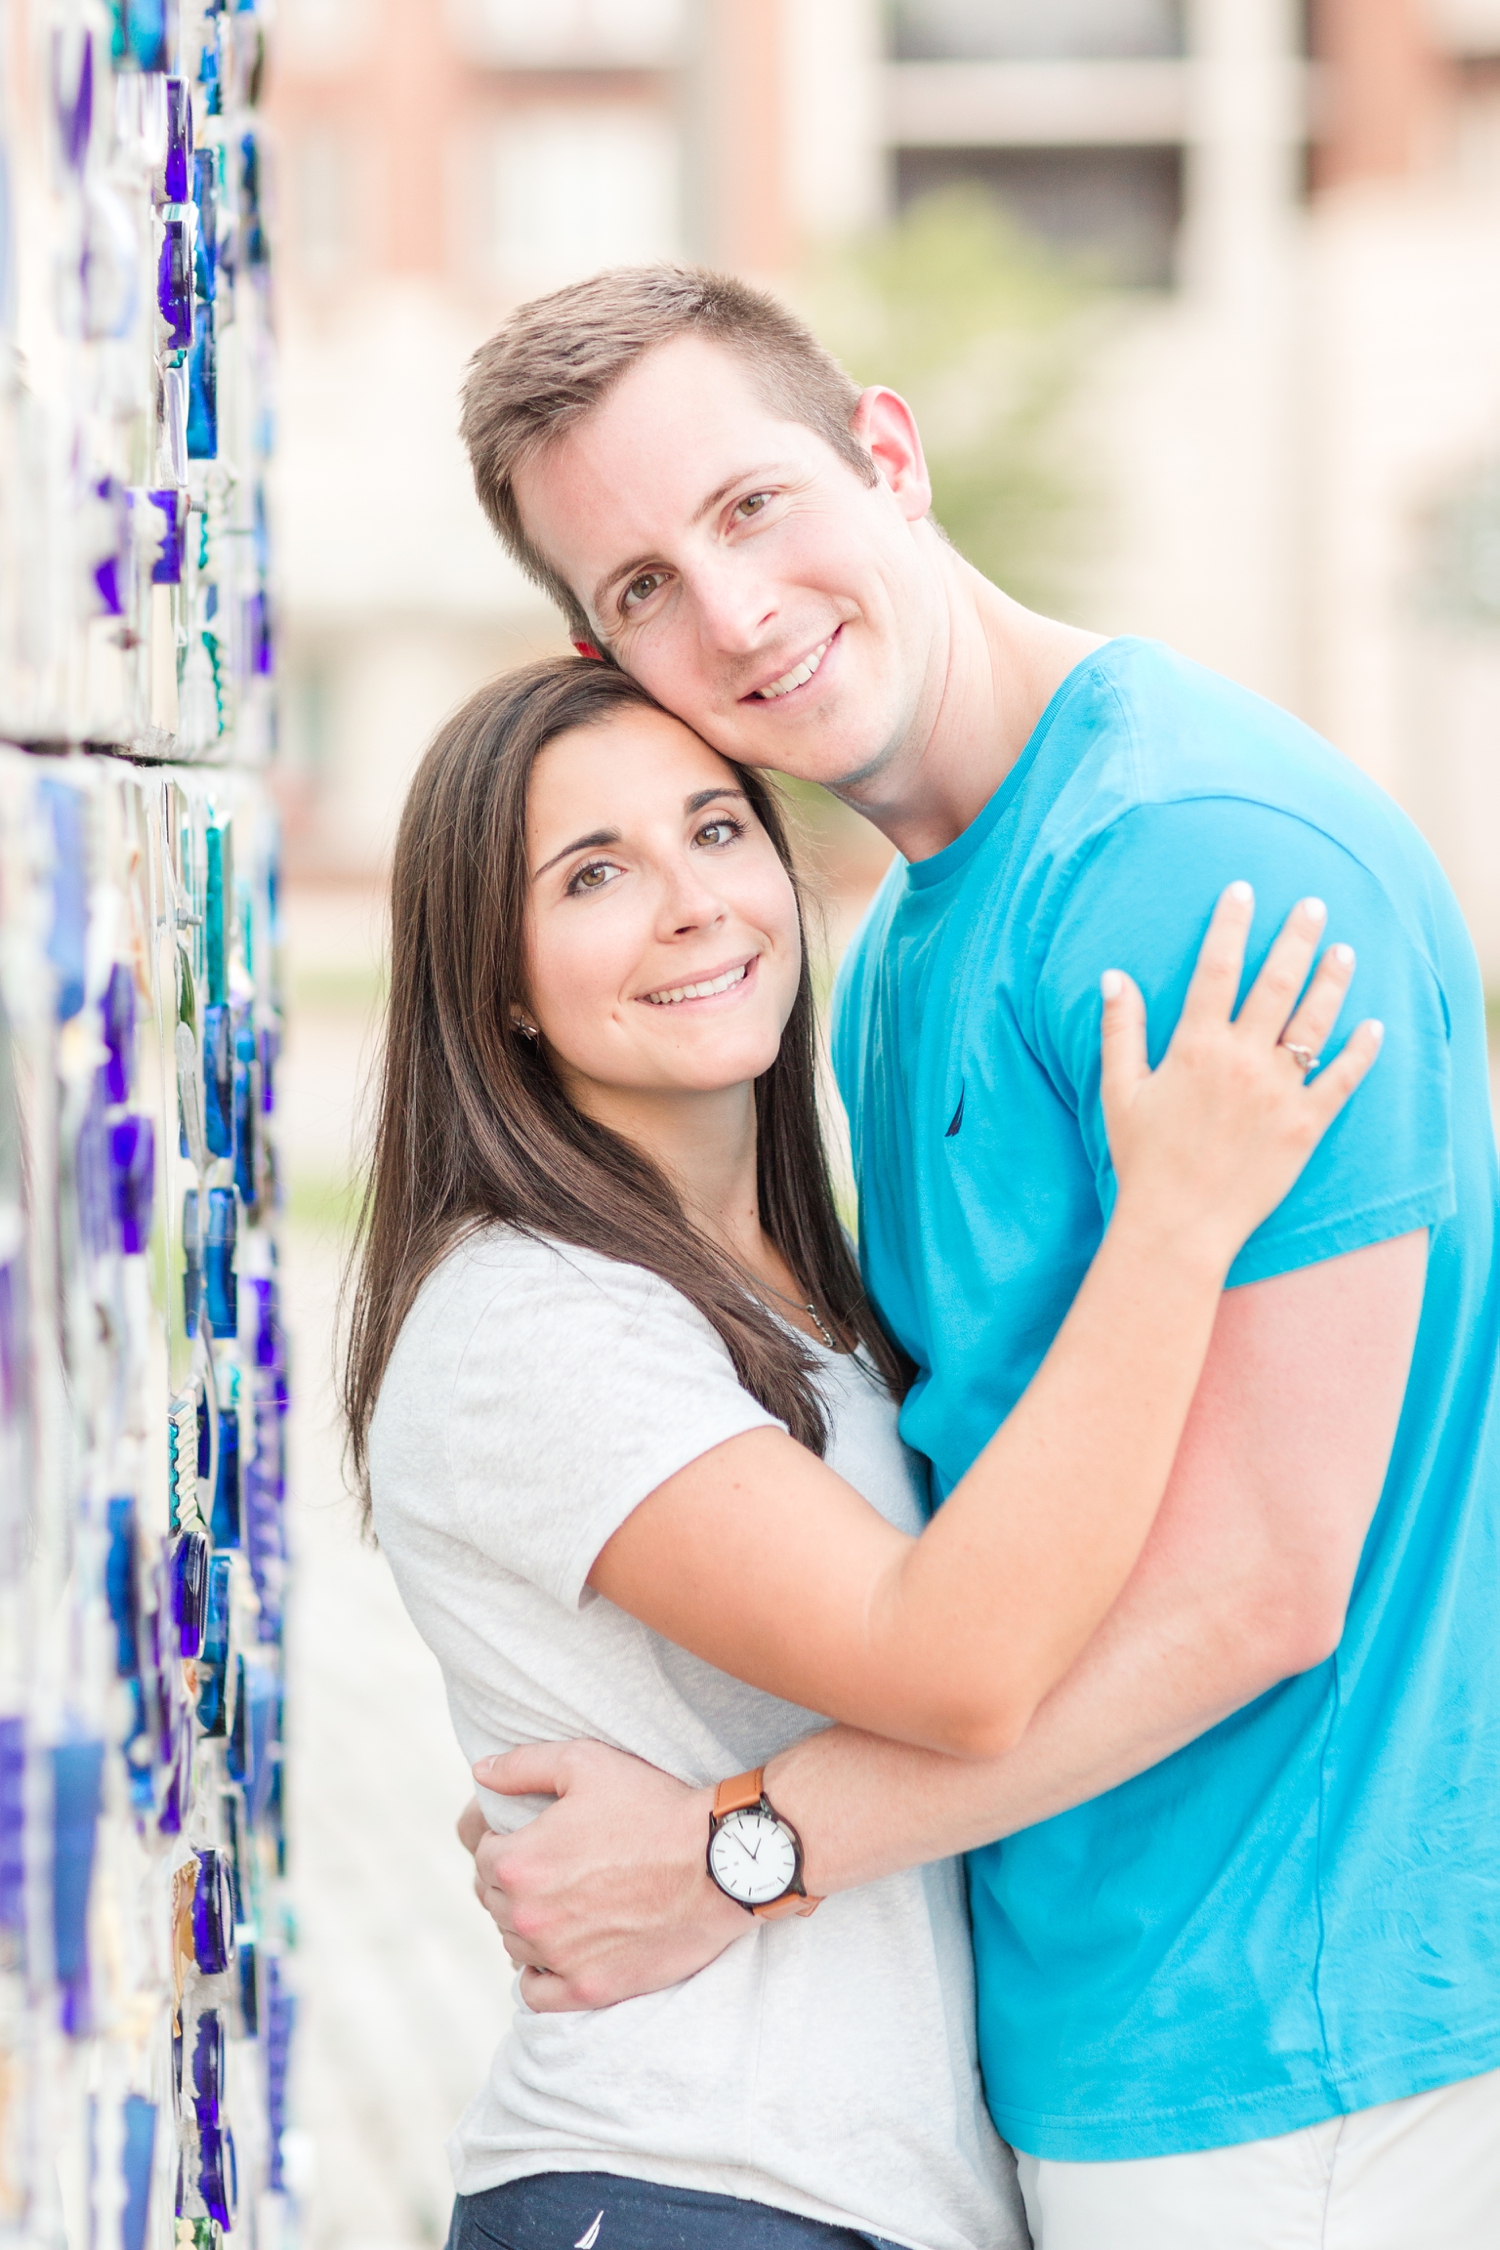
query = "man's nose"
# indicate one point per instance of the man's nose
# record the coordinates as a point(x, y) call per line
point(736, 607)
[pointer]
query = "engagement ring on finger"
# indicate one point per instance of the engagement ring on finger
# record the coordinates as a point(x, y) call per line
point(1303, 1057)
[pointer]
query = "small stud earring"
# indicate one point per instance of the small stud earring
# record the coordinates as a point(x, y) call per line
point(527, 1030)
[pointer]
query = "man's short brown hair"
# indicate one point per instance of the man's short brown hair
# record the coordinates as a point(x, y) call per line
point(555, 359)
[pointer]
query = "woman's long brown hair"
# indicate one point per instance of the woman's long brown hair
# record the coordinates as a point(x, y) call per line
point(473, 1126)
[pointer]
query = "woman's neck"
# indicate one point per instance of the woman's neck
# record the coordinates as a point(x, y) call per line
point(706, 1145)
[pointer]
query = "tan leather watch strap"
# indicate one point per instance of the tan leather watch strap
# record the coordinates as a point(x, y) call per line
point(794, 1902)
point(739, 1793)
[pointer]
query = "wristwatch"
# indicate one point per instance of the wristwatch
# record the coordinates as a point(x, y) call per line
point(754, 1855)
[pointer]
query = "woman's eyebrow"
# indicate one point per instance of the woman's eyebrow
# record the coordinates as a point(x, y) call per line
point(704, 797)
point(579, 844)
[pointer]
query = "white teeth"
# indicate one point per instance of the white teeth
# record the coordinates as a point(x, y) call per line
point(666, 999)
point(795, 678)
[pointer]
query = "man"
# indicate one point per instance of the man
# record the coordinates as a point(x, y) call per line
point(1239, 1955)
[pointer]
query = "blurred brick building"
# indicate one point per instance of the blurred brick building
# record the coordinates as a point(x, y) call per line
point(1299, 409)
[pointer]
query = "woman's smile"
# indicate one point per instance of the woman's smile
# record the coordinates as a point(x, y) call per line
point(712, 984)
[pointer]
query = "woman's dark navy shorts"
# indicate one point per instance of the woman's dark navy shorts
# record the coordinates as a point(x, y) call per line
point(597, 2211)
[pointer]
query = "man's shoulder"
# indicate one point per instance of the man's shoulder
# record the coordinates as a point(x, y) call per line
point(1170, 751)
point(1160, 729)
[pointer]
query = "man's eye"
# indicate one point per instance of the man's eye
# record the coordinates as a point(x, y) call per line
point(752, 504)
point(641, 589)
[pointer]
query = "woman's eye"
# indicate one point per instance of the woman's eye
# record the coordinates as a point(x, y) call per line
point(595, 877)
point(720, 831)
point(752, 504)
point(641, 589)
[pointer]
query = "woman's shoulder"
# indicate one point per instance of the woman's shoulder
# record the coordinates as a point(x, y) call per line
point(536, 1293)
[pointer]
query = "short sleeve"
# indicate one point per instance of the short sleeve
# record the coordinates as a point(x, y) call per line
point(581, 1387)
point(1141, 902)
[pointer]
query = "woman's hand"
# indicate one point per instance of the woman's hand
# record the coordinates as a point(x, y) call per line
point(1206, 1145)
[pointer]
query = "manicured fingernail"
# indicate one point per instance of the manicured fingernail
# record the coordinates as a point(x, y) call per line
point(1377, 1030)
point(1241, 893)
point(1111, 984)
point(1343, 954)
point(1315, 910)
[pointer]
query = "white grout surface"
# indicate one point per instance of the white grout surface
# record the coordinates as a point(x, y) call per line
point(404, 1987)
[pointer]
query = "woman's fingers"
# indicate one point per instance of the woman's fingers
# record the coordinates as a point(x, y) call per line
point(1273, 996)
point(1122, 1037)
point(1221, 959)
point(1318, 1011)
point(1327, 1093)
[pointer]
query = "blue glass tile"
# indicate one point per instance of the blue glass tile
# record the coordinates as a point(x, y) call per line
point(120, 1587)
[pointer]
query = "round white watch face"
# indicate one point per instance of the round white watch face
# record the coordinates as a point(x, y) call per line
point(753, 1856)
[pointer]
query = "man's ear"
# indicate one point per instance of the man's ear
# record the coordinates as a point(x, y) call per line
point(587, 648)
point(884, 424)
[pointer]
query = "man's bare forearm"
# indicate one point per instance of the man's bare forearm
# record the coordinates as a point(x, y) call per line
point(1156, 1675)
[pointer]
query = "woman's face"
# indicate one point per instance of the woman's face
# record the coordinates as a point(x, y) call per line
point(662, 943)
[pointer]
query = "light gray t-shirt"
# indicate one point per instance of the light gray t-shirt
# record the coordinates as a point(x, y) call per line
point(537, 1393)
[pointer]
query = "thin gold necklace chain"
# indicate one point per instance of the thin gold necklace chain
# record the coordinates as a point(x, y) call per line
point(809, 1308)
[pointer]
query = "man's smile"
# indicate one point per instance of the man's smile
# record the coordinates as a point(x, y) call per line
point(798, 675)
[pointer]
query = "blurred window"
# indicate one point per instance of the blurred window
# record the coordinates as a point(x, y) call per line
point(570, 34)
point(1030, 30)
point(319, 38)
point(325, 202)
point(1467, 27)
point(1116, 211)
point(572, 189)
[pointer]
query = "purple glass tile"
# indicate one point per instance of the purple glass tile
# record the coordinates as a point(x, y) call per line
point(167, 569)
point(73, 94)
point(93, 1181)
point(178, 1790)
point(174, 284)
point(12, 1824)
point(281, 2022)
point(190, 1591)
point(213, 1915)
point(132, 1158)
point(70, 908)
point(207, 2082)
point(177, 171)
point(118, 1011)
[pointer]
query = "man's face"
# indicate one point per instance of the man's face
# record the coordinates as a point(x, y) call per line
point(742, 571)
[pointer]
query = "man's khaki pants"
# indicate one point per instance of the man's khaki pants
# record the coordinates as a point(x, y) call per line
point(1420, 2174)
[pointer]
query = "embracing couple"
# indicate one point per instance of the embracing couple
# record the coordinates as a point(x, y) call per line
point(1129, 1507)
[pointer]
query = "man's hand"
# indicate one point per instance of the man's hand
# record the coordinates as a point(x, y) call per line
point(605, 1894)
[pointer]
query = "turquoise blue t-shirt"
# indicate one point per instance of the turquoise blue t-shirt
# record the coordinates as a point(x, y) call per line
point(1298, 1914)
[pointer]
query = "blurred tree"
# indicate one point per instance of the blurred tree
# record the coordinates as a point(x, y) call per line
point(984, 332)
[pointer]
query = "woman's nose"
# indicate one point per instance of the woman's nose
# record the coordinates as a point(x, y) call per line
point(688, 903)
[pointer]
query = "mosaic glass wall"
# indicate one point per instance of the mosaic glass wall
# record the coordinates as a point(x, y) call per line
point(145, 2003)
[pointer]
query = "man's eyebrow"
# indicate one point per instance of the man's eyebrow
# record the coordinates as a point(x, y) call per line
point(579, 844)
point(629, 570)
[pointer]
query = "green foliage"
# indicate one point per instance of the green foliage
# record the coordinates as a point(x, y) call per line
point(984, 333)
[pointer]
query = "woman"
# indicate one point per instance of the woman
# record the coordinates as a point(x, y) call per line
point(608, 1340)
